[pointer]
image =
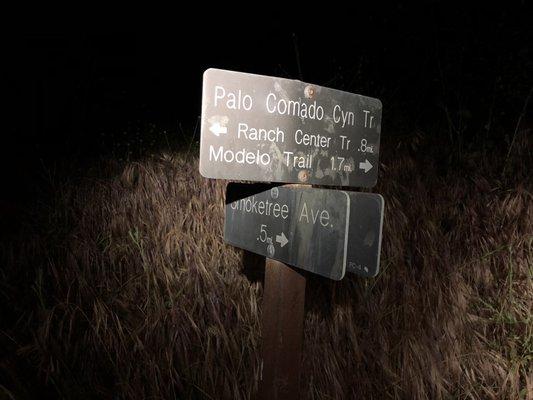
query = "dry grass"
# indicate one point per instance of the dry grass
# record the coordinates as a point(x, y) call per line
point(133, 294)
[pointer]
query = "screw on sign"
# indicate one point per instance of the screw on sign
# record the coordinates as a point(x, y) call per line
point(268, 129)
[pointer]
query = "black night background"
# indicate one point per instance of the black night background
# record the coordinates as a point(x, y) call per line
point(115, 281)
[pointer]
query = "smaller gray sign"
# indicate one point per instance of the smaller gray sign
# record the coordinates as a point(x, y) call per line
point(327, 232)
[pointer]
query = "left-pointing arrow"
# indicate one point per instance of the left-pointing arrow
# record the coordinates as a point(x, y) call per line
point(217, 129)
point(282, 239)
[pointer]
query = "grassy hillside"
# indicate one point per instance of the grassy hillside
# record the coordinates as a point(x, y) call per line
point(122, 287)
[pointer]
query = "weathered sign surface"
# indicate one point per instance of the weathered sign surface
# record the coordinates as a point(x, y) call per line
point(327, 232)
point(267, 129)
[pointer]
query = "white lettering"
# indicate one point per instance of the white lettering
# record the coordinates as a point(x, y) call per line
point(321, 216)
point(220, 93)
point(336, 118)
point(303, 213)
point(233, 101)
point(324, 218)
point(261, 134)
point(261, 207)
point(271, 109)
point(295, 108)
point(368, 121)
point(347, 118)
point(240, 157)
point(311, 140)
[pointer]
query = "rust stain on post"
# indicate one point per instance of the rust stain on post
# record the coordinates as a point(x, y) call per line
point(283, 318)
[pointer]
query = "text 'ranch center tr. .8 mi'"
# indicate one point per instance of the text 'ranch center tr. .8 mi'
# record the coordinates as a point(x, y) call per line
point(275, 130)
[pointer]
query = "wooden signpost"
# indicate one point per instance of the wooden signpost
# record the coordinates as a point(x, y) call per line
point(268, 129)
point(283, 321)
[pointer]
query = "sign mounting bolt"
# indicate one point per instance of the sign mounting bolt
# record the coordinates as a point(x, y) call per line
point(309, 92)
point(303, 175)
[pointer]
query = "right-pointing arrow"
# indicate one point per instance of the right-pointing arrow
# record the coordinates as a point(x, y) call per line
point(365, 165)
point(282, 239)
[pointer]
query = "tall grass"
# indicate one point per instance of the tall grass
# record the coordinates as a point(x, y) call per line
point(127, 289)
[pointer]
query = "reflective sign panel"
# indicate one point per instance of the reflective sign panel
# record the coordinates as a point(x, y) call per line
point(267, 129)
point(327, 232)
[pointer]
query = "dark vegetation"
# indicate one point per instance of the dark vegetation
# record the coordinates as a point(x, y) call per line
point(127, 289)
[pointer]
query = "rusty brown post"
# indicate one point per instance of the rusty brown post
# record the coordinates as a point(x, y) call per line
point(283, 319)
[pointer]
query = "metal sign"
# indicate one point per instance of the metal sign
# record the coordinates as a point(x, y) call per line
point(327, 232)
point(267, 129)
